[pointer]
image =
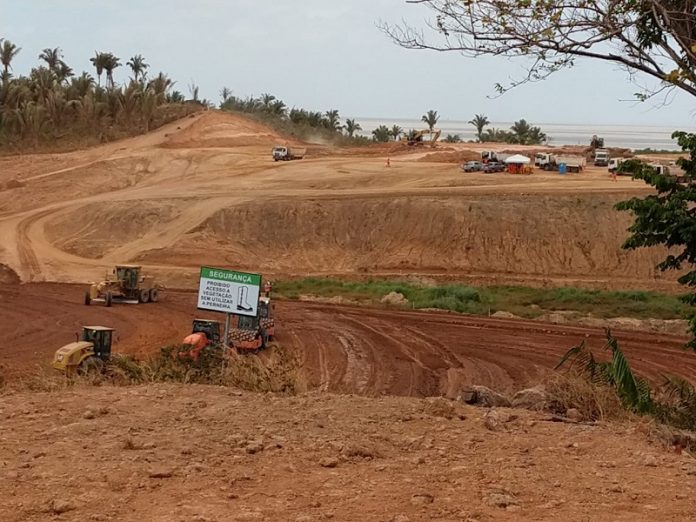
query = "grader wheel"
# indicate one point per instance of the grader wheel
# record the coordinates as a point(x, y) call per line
point(144, 296)
point(88, 298)
point(108, 299)
point(154, 295)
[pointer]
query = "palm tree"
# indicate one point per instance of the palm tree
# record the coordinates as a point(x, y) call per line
point(111, 63)
point(453, 138)
point(160, 85)
point(138, 66)
point(333, 121)
point(430, 118)
point(176, 97)
point(267, 99)
point(225, 94)
point(480, 121)
point(81, 85)
point(396, 131)
point(193, 91)
point(8, 51)
point(63, 72)
point(381, 134)
point(99, 61)
point(52, 57)
point(352, 127)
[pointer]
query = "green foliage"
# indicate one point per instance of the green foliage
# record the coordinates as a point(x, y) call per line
point(430, 118)
point(667, 218)
point(452, 138)
point(381, 134)
point(301, 123)
point(521, 301)
point(634, 392)
point(674, 402)
point(480, 122)
point(54, 107)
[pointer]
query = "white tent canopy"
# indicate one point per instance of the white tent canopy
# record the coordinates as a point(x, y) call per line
point(518, 158)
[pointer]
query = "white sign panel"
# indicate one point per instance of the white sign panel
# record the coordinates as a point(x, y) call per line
point(228, 291)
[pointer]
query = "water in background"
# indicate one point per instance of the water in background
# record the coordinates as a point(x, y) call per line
point(624, 136)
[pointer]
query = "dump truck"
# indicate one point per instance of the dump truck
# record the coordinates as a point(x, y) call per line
point(90, 351)
point(126, 285)
point(548, 161)
point(488, 156)
point(601, 158)
point(286, 153)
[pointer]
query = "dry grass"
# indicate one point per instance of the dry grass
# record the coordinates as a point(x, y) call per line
point(274, 370)
point(593, 401)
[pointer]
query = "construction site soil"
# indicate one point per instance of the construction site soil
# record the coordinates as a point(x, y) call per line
point(168, 453)
point(343, 348)
point(205, 191)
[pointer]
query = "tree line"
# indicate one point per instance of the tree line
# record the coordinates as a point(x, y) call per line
point(52, 103)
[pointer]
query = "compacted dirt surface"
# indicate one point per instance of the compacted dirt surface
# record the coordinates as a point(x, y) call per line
point(205, 190)
point(344, 348)
point(184, 453)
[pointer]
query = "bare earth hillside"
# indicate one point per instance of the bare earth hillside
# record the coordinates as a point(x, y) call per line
point(205, 190)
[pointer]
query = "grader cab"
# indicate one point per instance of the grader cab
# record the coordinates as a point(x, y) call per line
point(127, 285)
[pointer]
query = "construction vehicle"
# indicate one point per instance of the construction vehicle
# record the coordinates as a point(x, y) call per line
point(601, 158)
point(286, 153)
point(90, 351)
point(418, 137)
point(126, 286)
point(614, 164)
point(251, 334)
point(548, 161)
point(488, 156)
point(203, 333)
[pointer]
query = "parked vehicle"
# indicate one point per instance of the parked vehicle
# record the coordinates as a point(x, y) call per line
point(488, 156)
point(615, 164)
point(548, 161)
point(472, 166)
point(494, 166)
point(601, 158)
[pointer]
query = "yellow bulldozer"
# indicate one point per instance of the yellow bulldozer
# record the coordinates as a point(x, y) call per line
point(90, 351)
point(127, 285)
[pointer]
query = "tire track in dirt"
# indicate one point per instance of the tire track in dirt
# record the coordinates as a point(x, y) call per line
point(344, 349)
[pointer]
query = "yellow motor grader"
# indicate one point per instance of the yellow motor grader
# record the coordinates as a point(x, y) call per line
point(127, 285)
point(90, 351)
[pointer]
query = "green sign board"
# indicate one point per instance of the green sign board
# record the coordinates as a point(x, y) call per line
point(229, 291)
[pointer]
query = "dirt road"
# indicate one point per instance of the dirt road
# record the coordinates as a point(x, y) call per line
point(345, 349)
point(205, 191)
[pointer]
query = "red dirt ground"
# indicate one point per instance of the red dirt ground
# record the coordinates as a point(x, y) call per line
point(345, 349)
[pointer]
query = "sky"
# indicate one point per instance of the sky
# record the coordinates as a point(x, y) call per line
point(321, 54)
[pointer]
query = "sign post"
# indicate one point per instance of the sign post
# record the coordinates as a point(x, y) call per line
point(229, 292)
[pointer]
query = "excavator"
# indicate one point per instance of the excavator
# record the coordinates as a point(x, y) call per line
point(417, 137)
